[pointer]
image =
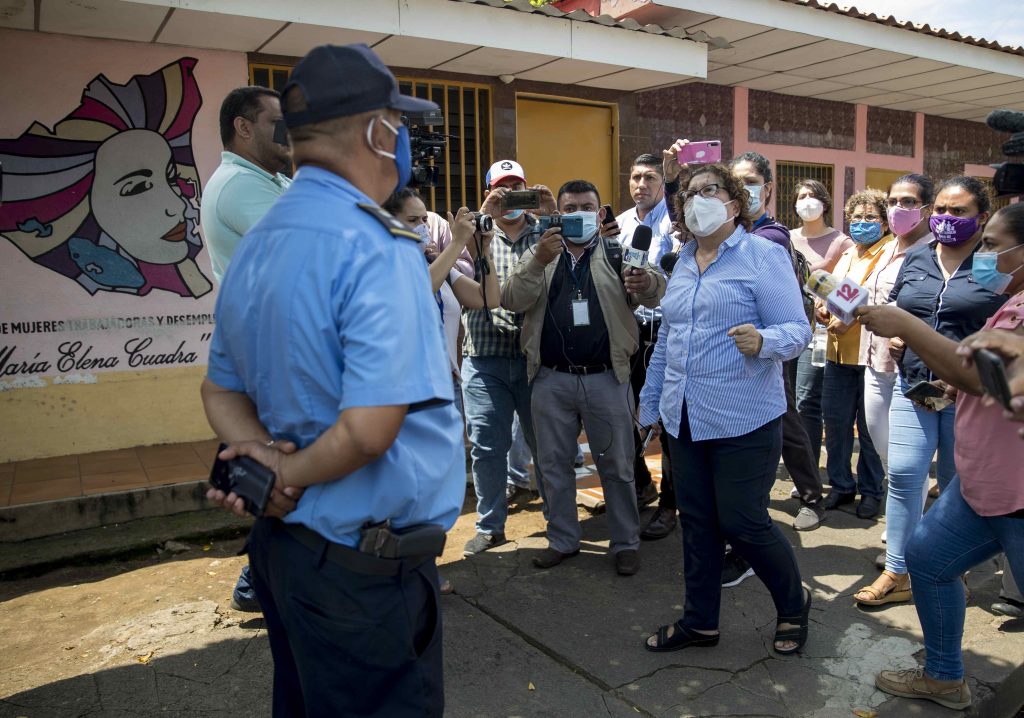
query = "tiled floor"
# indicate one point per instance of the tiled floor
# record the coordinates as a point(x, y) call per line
point(588, 483)
point(64, 477)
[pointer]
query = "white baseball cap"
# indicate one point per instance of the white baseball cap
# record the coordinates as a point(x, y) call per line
point(503, 169)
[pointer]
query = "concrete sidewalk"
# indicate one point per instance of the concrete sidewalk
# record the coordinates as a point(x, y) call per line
point(568, 642)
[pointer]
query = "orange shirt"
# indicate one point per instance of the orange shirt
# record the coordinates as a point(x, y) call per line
point(845, 348)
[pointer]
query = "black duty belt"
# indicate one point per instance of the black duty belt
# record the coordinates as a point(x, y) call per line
point(350, 558)
point(580, 369)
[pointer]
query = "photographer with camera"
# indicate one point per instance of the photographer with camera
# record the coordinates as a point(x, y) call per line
point(579, 334)
point(494, 381)
point(327, 337)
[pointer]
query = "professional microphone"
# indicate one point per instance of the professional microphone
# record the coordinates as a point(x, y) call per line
point(636, 254)
point(841, 297)
point(1009, 121)
point(668, 261)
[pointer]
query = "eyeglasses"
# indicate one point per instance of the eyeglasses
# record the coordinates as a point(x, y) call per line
point(865, 218)
point(708, 190)
point(904, 202)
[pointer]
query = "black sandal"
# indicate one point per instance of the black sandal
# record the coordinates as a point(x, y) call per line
point(683, 637)
point(798, 634)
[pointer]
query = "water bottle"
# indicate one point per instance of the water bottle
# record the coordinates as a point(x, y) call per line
point(819, 345)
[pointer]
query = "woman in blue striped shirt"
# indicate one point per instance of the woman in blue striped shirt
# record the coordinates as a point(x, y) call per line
point(731, 316)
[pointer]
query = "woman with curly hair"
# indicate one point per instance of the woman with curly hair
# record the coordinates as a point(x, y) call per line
point(715, 381)
point(842, 393)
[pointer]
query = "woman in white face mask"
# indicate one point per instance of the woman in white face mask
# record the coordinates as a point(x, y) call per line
point(822, 245)
point(715, 381)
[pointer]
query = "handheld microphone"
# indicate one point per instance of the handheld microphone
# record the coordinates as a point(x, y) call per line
point(668, 261)
point(841, 297)
point(636, 254)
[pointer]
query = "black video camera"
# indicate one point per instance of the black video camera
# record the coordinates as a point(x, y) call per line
point(426, 145)
point(569, 226)
point(1009, 177)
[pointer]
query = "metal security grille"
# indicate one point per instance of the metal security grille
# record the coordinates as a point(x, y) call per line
point(467, 155)
point(467, 116)
point(788, 174)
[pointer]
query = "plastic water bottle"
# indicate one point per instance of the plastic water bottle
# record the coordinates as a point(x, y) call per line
point(819, 344)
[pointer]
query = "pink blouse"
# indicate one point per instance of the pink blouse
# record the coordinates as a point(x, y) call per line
point(820, 252)
point(989, 454)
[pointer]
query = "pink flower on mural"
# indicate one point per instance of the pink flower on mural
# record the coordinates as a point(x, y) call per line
point(110, 196)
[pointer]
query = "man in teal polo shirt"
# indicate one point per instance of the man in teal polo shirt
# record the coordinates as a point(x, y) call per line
point(251, 173)
point(248, 181)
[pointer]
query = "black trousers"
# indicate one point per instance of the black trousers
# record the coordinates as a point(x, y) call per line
point(723, 488)
point(637, 377)
point(797, 452)
point(346, 643)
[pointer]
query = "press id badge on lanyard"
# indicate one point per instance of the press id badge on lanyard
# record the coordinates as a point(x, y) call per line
point(580, 312)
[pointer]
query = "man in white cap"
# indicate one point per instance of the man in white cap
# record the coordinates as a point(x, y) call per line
point(494, 380)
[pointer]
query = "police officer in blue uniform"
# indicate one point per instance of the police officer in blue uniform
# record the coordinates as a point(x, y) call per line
point(317, 370)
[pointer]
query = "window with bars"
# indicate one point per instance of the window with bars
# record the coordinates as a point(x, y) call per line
point(273, 76)
point(787, 175)
point(466, 157)
point(467, 116)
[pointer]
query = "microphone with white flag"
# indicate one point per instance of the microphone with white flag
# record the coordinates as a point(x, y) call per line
point(636, 254)
point(841, 297)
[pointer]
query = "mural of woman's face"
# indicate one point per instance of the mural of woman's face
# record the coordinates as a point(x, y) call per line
point(134, 200)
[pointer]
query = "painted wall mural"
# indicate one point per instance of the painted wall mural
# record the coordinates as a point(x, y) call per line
point(108, 203)
point(109, 198)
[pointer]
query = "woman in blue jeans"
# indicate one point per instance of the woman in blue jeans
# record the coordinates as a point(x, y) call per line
point(980, 513)
point(935, 284)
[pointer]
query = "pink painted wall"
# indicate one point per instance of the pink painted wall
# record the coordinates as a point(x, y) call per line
point(860, 159)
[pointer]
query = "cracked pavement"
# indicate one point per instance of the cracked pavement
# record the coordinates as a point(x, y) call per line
point(156, 637)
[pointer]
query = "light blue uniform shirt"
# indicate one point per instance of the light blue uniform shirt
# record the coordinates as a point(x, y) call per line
point(238, 194)
point(726, 393)
point(324, 310)
point(661, 242)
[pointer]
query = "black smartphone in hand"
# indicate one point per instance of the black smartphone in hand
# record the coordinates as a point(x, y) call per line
point(992, 372)
point(247, 477)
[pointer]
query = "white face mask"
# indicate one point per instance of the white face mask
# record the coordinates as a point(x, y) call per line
point(809, 208)
point(423, 231)
point(704, 215)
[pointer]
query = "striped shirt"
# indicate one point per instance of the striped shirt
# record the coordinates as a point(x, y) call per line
point(726, 393)
point(499, 336)
point(661, 225)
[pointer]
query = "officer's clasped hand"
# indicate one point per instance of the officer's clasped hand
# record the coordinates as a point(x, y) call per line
point(283, 499)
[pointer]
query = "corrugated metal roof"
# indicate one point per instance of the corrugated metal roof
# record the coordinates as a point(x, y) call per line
point(606, 20)
point(923, 28)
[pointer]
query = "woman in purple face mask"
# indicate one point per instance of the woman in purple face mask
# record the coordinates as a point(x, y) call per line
point(935, 284)
point(909, 203)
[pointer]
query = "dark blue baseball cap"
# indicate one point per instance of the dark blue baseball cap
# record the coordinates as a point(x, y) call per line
point(342, 80)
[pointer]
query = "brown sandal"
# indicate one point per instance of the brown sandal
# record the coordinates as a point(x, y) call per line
point(881, 596)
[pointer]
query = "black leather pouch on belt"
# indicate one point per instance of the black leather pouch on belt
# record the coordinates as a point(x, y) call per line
point(383, 541)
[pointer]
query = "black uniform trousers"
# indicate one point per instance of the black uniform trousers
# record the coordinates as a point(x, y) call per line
point(346, 643)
